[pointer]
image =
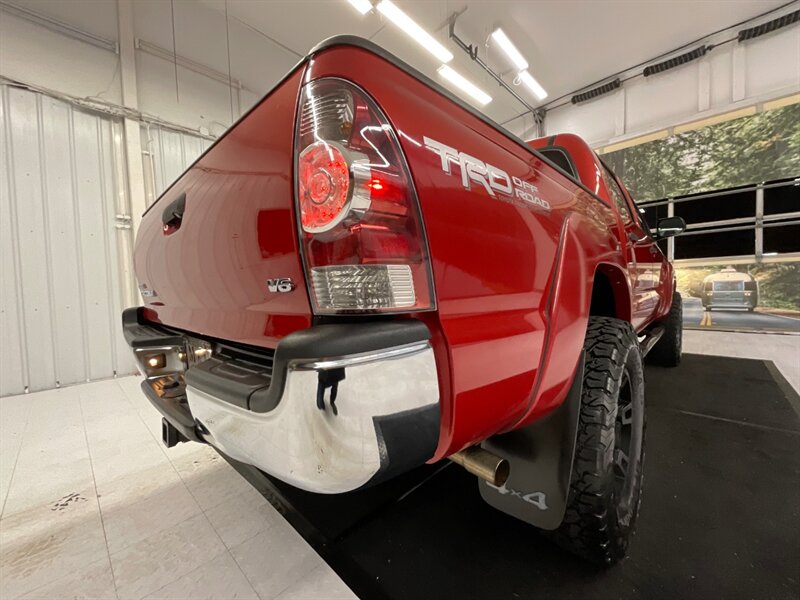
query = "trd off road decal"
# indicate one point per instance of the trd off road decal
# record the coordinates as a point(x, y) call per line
point(493, 179)
point(538, 499)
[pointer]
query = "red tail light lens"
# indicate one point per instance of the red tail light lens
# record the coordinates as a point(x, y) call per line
point(363, 240)
point(324, 184)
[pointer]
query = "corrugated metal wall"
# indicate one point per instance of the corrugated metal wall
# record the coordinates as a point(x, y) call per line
point(169, 153)
point(60, 291)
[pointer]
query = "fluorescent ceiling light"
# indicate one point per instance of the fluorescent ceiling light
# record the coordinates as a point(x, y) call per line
point(511, 51)
point(407, 24)
point(362, 6)
point(532, 85)
point(470, 88)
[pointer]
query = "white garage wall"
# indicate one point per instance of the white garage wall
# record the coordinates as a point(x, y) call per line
point(728, 77)
point(34, 54)
point(38, 55)
point(167, 154)
point(60, 282)
point(62, 295)
point(61, 292)
point(63, 283)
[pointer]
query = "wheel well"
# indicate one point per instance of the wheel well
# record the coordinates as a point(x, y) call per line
point(609, 295)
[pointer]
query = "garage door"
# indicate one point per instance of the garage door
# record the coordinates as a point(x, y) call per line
point(60, 289)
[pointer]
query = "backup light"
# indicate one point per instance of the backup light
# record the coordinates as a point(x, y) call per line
point(362, 6)
point(533, 85)
point(510, 49)
point(157, 361)
point(463, 83)
point(388, 9)
point(363, 286)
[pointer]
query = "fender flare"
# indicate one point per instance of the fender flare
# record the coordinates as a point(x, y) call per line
point(568, 308)
point(541, 448)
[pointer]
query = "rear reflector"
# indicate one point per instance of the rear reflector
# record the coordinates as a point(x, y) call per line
point(363, 240)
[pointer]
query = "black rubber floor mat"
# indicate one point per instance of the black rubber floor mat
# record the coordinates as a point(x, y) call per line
point(719, 514)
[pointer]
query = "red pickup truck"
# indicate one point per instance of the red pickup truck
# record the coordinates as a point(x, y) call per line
point(365, 274)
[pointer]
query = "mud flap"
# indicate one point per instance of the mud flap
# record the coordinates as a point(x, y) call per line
point(540, 457)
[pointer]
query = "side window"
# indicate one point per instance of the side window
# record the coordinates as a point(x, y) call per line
point(618, 197)
point(559, 158)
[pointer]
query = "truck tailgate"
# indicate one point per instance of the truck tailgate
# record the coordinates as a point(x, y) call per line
point(207, 249)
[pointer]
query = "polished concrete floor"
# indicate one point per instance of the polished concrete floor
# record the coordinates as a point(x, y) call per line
point(93, 506)
point(781, 349)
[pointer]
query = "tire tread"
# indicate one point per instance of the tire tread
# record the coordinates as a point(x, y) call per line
point(588, 528)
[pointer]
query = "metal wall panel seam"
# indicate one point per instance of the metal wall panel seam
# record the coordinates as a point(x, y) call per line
point(183, 149)
point(76, 212)
point(47, 245)
point(149, 165)
point(161, 163)
point(124, 236)
point(106, 247)
point(23, 338)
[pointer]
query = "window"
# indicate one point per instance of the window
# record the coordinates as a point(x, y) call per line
point(728, 286)
point(618, 197)
point(560, 158)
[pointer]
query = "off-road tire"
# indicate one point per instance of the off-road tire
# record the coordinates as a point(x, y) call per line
point(667, 351)
point(600, 517)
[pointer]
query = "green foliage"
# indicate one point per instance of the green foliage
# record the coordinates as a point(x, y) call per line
point(690, 280)
point(747, 150)
point(779, 284)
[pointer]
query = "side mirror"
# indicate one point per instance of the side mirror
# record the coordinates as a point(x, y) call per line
point(669, 227)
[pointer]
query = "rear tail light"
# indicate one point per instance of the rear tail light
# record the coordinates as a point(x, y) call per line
point(361, 230)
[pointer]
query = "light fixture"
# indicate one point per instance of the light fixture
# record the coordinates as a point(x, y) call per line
point(407, 24)
point(511, 51)
point(362, 6)
point(461, 82)
point(520, 63)
point(532, 85)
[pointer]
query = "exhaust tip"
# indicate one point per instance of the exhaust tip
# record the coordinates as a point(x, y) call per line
point(488, 466)
point(501, 473)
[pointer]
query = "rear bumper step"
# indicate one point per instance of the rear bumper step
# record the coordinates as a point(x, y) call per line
point(334, 408)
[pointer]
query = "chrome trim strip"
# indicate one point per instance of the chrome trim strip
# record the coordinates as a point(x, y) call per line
point(359, 359)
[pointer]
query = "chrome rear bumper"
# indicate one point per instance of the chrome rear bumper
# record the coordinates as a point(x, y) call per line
point(328, 418)
point(341, 445)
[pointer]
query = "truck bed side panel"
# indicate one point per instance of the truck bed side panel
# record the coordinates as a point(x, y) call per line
point(493, 254)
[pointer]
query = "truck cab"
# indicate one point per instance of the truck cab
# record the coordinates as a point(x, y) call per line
point(648, 269)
